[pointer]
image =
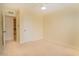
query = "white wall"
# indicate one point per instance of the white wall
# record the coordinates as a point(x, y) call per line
point(31, 26)
point(62, 27)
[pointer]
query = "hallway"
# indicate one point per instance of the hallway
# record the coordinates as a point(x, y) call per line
point(37, 48)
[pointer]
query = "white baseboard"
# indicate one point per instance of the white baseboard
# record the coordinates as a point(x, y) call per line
point(25, 41)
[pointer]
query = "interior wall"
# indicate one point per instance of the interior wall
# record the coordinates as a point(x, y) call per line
point(63, 27)
point(31, 23)
point(31, 26)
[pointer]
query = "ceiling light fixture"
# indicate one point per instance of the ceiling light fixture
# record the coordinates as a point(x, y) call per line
point(43, 8)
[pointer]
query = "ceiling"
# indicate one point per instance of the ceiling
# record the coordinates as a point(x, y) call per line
point(36, 7)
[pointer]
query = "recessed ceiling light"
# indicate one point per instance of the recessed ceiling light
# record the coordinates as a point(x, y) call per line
point(43, 8)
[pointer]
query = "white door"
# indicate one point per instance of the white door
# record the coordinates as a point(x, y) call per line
point(8, 28)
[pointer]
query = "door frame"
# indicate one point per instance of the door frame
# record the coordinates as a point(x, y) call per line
point(17, 27)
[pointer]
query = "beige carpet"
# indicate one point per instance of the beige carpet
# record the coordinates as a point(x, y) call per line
point(37, 48)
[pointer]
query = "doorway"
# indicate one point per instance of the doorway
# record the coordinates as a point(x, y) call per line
point(9, 29)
